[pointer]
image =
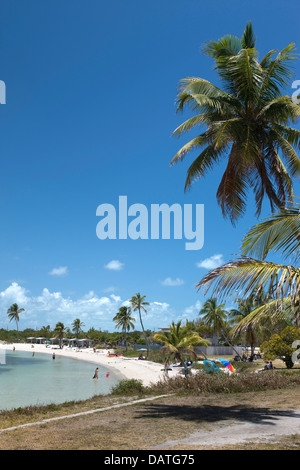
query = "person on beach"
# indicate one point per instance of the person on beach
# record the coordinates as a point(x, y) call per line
point(53, 356)
point(96, 374)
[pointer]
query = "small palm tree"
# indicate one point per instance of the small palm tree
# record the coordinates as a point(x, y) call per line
point(180, 340)
point(14, 314)
point(77, 326)
point(215, 316)
point(248, 123)
point(124, 320)
point(138, 304)
point(45, 331)
point(60, 332)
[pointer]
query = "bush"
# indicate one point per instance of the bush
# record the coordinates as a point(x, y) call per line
point(129, 387)
point(202, 382)
point(281, 346)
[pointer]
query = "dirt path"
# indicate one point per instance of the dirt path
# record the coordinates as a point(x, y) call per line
point(269, 428)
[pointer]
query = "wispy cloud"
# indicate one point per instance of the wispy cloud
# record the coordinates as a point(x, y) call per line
point(114, 265)
point(110, 289)
point(192, 311)
point(59, 272)
point(211, 263)
point(172, 282)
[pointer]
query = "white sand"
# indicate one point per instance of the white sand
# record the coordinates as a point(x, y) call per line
point(129, 368)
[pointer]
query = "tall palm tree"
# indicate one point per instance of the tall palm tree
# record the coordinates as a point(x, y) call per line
point(138, 303)
point(248, 123)
point(180, 340)
point(124, 320)
point(245, 275)
point(60, 332)
point(215, 317)
point(77, 326)
point(14, 314)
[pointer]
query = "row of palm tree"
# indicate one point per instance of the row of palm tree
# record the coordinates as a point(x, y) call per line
point(14, 314)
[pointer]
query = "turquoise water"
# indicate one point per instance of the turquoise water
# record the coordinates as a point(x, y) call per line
point(39, 380)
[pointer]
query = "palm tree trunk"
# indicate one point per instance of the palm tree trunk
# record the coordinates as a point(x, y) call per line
point(229, 342)
point(203, 354)
point(146, 340)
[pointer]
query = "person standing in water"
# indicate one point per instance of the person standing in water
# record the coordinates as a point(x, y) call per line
point(96, 374)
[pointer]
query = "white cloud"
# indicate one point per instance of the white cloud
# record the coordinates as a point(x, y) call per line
point(172, 282)
point(13, 294)
point(48, 308)
point(211, 263)
point(60, 272)
point(115, 265)
point(192, 311)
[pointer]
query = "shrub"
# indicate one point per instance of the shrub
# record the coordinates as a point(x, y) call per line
point(222, 383)
point(281, 346)
point(129, 387)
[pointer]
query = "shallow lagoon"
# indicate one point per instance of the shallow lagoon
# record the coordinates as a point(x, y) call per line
point(40, 380)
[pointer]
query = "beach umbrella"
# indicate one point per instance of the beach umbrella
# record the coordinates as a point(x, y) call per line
point(227, 365)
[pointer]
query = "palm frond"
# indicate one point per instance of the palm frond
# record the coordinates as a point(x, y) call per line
point(245, 275)
point(273, 311)
point(278, 232)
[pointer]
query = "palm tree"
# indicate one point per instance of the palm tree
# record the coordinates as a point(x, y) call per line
point(124, 320)
point(13, 314)
point(245, 275)
point(180, 340)
point(245, 307)
point(138, 304)
point(77, 326)
point(248, 123)
point(60, 332)
point(215, 316)
point(45, 331)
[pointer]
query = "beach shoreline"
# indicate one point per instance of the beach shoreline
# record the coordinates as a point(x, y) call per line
point(126, 368)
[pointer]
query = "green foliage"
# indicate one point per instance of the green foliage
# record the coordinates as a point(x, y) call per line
point(180, 340)
point(128, 387)
point(280, 345)
point(201, 382)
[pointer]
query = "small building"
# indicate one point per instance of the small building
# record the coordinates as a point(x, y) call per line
point(30, 339)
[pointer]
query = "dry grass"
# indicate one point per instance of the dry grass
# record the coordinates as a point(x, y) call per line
point(140, 427)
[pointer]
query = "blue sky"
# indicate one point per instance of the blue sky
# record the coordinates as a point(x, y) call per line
point(91, 89)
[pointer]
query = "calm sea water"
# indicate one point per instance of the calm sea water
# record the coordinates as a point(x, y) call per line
point(39, 380)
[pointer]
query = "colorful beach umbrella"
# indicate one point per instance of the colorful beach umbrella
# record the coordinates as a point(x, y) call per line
point(227, 365)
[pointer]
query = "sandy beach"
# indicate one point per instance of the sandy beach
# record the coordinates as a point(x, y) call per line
point(128, 368)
